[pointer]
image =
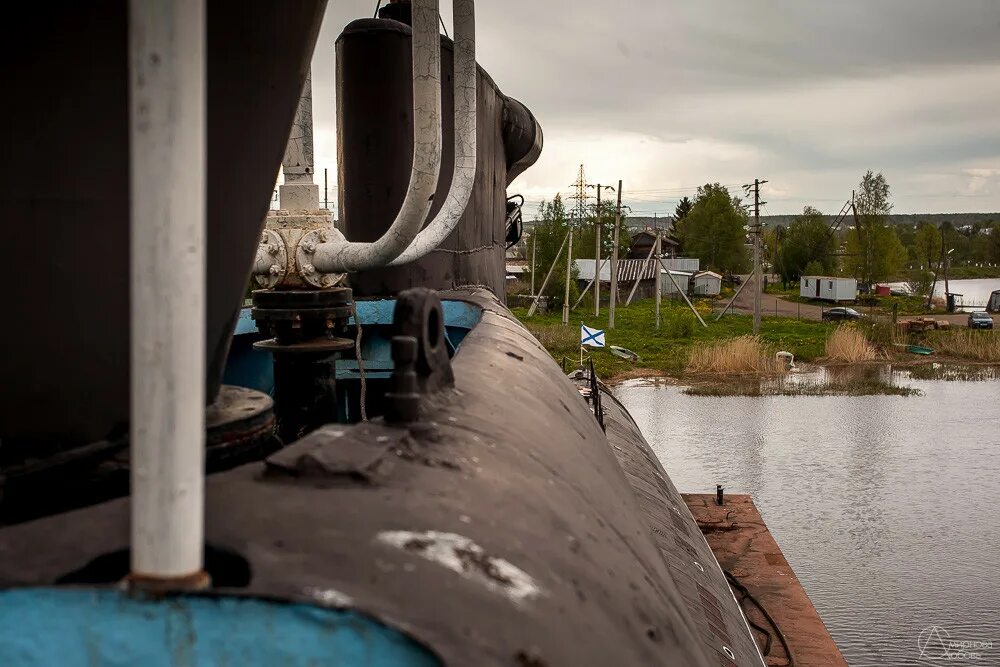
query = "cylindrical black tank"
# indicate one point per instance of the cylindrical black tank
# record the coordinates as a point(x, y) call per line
point(374, 127)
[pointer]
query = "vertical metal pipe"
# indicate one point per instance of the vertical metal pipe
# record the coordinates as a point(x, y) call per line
point(167, 137)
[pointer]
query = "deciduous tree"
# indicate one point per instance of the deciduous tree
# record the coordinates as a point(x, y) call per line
point(714, 230)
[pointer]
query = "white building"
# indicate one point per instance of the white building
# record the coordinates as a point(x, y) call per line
point(682, 278)
point(707, 283)
point(828, 288)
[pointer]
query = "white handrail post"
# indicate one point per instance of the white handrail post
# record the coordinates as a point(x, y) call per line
point(167, 435)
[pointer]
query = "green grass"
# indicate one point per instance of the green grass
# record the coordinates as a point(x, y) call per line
point(666, 350)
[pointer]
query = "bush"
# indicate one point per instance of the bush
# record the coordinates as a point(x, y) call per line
point(680, 326)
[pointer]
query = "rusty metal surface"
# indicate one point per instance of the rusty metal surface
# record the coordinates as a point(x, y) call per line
point(704, 594)
point(745, 548)
point(500, 530)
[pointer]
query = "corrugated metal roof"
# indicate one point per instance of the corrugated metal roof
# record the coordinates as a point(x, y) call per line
point(628, 269)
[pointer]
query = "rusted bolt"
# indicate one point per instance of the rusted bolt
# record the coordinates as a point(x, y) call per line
point(272, 249)
point(308, 269)
point(323, 237)
point(275, 269)
point(310, 247)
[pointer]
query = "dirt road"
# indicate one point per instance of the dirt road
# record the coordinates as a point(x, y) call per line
point(773, 305)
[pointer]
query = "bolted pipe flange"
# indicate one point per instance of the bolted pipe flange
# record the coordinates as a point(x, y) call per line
point(304, 252)
point(271, 264)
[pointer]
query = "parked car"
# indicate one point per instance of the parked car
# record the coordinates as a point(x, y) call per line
point(840, 314)
point(980, 320)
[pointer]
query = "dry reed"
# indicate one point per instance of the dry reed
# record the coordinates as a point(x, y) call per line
point(746, 354)
point(966, 344)
point(848, 344)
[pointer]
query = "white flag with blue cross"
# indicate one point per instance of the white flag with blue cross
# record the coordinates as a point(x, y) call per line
point(591, 337)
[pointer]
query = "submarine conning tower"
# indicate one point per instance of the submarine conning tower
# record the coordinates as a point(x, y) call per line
point(427, 488)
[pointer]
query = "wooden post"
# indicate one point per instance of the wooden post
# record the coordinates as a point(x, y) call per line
point(569, 266)
point(686, 299)
point(614, 260)
point(635, 286)
point(534, 304)
point(656, 274)
point(534, 249)
point(597, 256)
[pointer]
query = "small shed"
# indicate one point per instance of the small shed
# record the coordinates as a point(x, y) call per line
point(828, 288)
point(682, 278)
point(707, 283)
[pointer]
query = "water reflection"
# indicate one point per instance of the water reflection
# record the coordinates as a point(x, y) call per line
point(882, 504)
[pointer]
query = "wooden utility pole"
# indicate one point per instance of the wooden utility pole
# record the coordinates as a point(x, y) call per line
point(758, 287)
point(758, 270)
point(656, 276)
point(614, 260)
point(569, 267)
point(534, 249)
point(597, 256)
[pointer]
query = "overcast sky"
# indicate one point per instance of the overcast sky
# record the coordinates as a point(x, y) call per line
point(808, 95)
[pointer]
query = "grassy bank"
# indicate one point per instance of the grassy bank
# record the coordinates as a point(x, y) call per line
point(667, 350)
point(681, 346)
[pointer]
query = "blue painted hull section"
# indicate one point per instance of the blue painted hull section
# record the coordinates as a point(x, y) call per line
point(247, 367)
point(45, 627)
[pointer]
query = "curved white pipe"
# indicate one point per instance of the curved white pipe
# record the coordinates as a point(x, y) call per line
point(464, 172)
point(341, 256)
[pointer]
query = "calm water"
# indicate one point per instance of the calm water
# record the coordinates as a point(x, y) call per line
point(886, 506)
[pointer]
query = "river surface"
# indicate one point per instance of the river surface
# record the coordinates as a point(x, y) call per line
point(885, 506)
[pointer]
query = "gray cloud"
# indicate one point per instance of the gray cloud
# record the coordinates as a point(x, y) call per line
point(667, 95)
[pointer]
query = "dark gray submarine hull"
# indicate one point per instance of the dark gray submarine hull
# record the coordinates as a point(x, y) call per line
point(503, 528)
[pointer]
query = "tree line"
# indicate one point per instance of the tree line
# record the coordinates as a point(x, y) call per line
point(714, 228)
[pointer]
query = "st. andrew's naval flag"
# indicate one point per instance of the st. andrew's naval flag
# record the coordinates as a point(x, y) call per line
point(591, 337)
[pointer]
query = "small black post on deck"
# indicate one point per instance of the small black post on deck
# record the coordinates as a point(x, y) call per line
point(718, 495)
